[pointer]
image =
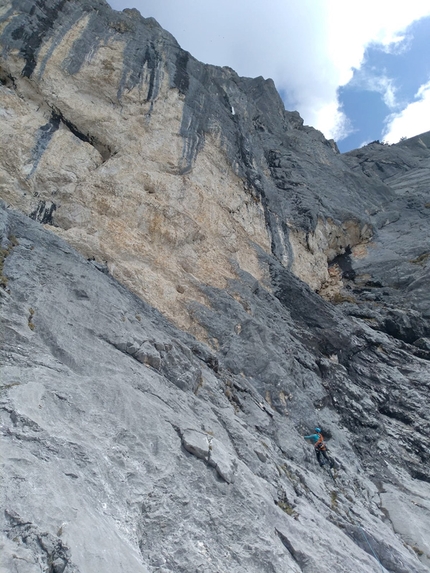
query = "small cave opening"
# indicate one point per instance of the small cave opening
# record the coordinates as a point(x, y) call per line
point(344, 262)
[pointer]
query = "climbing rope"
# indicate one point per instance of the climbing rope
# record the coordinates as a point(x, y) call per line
point(363, 533)
point(371, 548)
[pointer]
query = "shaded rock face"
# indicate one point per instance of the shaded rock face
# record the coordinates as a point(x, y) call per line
point(391, 280)
point(164, 229)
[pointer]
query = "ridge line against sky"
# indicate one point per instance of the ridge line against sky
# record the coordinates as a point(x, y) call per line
point(355, 72)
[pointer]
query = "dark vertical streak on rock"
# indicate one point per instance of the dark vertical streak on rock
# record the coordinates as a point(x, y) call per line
point(36, 22)
point(182, 79)
point(87, 43)
point(44, 212)
point(195, 115)
point(43, 137)
point(152, 59)
point(45, 133)
point(73, 15)
point(137, 55)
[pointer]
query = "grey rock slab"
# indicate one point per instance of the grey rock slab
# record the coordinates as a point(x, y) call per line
point(409, 512)
point(222, 460)
point(148, 354)
point(96, 472)
point(98, 441)
point(196, 443)
point(103, 438)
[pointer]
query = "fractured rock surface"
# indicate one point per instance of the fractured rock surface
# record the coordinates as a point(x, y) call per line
point(175, 173)
point(114, 464)
point(157, 381)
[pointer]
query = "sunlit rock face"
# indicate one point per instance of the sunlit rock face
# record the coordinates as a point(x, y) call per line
point(171, 171)
point(190, 281)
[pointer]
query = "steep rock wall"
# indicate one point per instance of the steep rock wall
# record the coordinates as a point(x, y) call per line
point(390, 283)
point(144, 158)
point(127, 445)
point(201, 194)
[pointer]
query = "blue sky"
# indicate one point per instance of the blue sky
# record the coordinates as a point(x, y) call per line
point(357, 72)
point(386, 84)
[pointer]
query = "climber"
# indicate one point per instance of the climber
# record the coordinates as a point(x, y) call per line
point(320, 447)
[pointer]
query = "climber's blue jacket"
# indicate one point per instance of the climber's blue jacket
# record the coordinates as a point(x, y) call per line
point(313, 438)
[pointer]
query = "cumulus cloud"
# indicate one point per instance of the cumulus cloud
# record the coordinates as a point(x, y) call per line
point(333, 122)
point(412, 120)
point(368, 80)
point(308, 47)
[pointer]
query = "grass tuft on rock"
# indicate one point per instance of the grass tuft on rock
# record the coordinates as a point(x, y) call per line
point(4, 253)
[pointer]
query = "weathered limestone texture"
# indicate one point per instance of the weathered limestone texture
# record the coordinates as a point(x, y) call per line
point(168, 170)
point(191, 280)
point(129, 446)
point(101, 152)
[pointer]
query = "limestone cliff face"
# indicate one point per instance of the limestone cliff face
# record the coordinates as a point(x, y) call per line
point(173, 172)
point(157, 385)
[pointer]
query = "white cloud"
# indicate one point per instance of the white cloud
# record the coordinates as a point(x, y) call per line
point(308, 47)
point(367, 80)
point(412, 120)
point(333, 122)
point(386, 88)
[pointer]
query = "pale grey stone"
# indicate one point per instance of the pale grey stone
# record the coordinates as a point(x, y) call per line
point(196, 443)
point(224, 463)
point(199, 463)
point(148, 354)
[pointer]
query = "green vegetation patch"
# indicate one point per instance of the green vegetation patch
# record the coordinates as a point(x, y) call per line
point(285, 506)
point(421, 259)
point(31, 324)
point(333, 497)
point(4, 253)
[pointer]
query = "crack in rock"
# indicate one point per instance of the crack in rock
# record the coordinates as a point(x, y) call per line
point(211, 451)
point(46, 548)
